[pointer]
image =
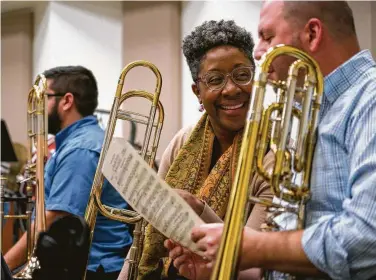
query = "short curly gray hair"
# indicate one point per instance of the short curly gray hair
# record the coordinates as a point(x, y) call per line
point(211, 34)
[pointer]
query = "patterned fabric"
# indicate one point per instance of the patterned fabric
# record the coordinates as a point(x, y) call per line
point(190, 172)
point(341, 216)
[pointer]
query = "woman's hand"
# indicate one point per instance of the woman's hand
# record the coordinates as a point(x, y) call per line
point(196, 204)
point(208, 238)
point(189, 264)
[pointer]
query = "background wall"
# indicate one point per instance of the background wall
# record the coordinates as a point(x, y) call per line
point(81, 33)
point(373, 27)
point(365, 23)
point(151, 31)
point(16, 65)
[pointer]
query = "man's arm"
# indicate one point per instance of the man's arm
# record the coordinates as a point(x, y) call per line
point(281, 251)
point(17, 255)
point(343, 245)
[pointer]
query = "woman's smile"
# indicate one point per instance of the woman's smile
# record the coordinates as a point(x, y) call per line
point(231, 107)
point(234, 109)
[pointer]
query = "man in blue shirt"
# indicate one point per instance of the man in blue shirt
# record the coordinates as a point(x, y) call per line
point(340, 236)
point(72, 98)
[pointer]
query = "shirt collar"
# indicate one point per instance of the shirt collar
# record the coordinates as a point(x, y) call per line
point(66, 132)
point(338, 81)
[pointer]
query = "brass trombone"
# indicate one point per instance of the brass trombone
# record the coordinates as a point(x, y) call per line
point(259, 133)
point(37, 125)
point(148, 152)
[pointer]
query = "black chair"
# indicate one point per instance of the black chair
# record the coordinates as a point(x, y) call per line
point(62, 250)
point(5, 272)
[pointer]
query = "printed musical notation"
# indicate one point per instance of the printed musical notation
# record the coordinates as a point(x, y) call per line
point(148, 194)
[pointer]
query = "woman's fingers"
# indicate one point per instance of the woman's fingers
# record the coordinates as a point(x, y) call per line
point(169, 244)
point(184, 259)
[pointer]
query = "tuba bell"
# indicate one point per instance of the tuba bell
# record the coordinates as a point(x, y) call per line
point(37, 125)
point(273, 127)
point(154, 124)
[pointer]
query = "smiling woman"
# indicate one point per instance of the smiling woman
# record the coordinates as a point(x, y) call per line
point(200, 161)
point(224, 89)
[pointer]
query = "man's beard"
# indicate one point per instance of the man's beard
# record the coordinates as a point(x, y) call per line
point(54, 121)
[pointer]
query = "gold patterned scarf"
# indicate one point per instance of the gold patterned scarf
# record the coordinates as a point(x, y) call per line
point(190, 172)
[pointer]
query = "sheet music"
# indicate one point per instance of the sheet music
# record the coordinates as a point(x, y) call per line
point(148, 194)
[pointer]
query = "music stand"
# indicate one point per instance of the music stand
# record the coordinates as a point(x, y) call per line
point(7, 152)
point(7, 155)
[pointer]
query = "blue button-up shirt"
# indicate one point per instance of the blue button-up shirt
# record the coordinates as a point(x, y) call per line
point(341, 216)
point(69, 176)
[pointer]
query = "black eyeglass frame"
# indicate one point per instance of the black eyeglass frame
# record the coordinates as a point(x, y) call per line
point(57, 94)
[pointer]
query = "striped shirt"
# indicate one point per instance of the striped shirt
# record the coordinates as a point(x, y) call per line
point(340, 238)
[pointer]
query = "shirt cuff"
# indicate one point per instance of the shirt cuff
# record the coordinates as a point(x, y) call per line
point(64, 208)
point(209, 216)
point(323, 250)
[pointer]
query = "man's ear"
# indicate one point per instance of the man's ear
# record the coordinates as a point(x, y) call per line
point(67, 101)
point(196, 91)
point(313, 34)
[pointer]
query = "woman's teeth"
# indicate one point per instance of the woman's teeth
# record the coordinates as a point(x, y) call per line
point(232, 107)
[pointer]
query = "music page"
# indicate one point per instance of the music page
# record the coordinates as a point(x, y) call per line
point(148, 194)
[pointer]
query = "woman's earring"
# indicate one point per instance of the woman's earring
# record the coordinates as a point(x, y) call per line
point(201, 107)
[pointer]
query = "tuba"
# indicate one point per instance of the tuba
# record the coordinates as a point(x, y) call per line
point(154, 124)
point(37, 125)
point(273, 126)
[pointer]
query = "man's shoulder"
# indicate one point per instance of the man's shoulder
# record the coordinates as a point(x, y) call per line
point(90, 139)
point(367, 79)
point(365, 92)
point(87, 144)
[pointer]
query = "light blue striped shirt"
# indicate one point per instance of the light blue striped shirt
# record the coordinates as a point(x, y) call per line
point(340, 238)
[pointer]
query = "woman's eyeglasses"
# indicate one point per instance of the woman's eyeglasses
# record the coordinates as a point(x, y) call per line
point(216, 80)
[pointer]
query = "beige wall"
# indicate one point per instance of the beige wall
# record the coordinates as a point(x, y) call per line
point(365, 23)
point(16, 67)
point(362, 18)
point(373, 28)
point(152, 32)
